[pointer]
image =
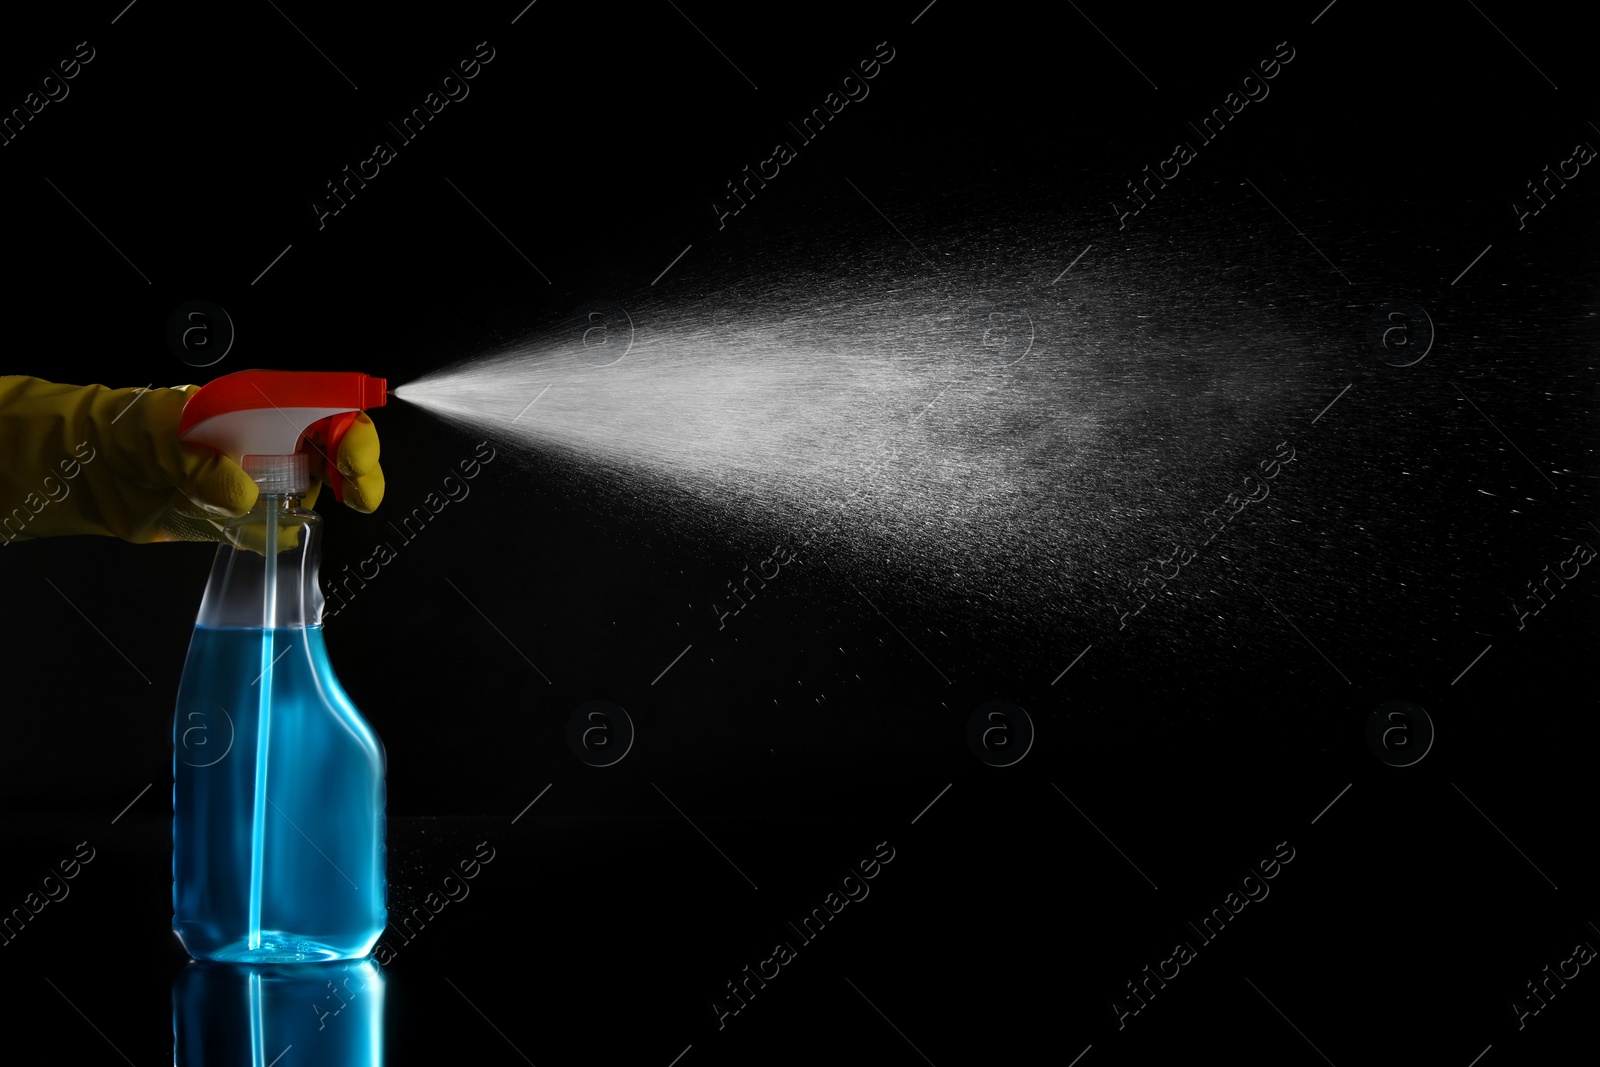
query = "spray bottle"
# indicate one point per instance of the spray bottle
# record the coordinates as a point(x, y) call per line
point(278, 793)
point(237, 1014)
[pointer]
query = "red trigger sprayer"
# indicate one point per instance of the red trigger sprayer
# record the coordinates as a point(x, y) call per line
point(265, 413)
point(278, 782)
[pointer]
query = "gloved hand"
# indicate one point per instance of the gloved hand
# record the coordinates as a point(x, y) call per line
point(93, 460)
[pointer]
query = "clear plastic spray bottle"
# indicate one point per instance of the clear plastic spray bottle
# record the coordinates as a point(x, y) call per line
point(278, 794)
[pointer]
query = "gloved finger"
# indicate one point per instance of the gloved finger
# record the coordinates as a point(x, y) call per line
point(252, 537)
point(215, 482)
point(180, 523)
point(358, 463)
point(143, 436)
point(156, 488)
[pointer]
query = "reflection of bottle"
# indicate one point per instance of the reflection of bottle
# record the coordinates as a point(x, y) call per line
point(229, 1014)
point(278, 791)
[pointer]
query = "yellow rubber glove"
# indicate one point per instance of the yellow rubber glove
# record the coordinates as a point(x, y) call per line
point(357, 460)
point(93, 460)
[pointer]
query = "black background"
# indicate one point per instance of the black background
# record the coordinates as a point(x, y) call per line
point(1416, 907)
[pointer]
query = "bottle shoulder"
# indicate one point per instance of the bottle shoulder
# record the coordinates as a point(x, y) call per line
point(228, 665)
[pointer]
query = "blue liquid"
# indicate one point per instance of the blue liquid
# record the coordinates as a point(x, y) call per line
point(322, 853)
point(232, 1015)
